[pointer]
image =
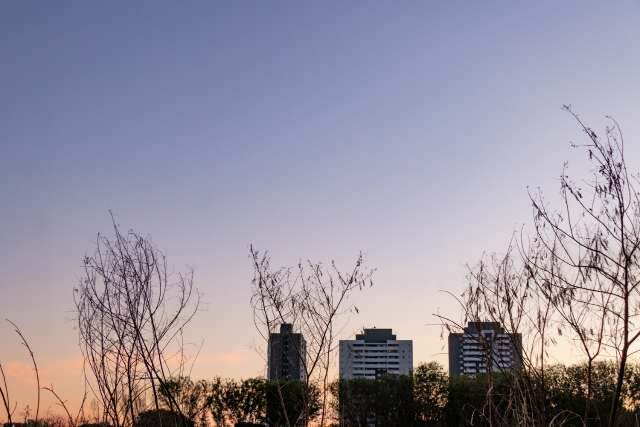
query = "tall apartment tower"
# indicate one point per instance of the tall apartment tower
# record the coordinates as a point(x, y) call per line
point(287, 354)
point(373, 353)
point(483, 346)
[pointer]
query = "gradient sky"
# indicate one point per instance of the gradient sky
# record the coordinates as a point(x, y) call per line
point(409, 131)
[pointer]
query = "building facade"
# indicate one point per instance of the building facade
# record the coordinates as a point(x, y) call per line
point(287, 352)
point(483, 346)
point(373, 353)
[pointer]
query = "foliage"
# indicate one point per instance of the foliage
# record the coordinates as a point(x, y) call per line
point(567, 391)
point(564, 391)
point(241, 401)
point(50, 421)
point(292, 403)
point(250, 400)
point(394, 400)
point(162, 417)
point(388, 400)
point(190, 397)
point(430, 391)
point(217, 402)
point(237, 401)
point(468, 397)
point(431, 398)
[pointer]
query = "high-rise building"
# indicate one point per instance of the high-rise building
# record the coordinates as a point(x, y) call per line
point(483, 346)
point(374, 353)
point(287, 353)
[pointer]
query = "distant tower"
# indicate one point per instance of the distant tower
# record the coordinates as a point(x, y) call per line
point(374, 353)
point(483, 346)
point(287, 353)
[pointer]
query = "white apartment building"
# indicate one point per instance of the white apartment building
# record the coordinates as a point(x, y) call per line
point(374, 353)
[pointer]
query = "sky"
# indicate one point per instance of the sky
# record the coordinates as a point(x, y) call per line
point(409, 131)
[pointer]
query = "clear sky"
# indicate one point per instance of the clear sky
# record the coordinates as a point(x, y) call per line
point(407, 130)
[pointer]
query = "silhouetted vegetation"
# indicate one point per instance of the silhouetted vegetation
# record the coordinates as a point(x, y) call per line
point(577, 277)
point(162, 417)
point(564, 394)
point(313, 297)
point(387, 401)
point(431, 398)
point(249, 401)
point(292, 403)
point(131, 314)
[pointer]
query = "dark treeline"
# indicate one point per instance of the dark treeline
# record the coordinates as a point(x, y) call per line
point(563, 395)
point(252, 401)
point(429, 397)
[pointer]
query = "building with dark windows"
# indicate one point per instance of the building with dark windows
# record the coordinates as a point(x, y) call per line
point(287, 353)
point(374, 353)
point(483, 346)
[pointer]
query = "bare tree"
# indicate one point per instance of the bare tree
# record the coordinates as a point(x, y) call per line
point(579, 271)
point(312, 297)
point(592, 245)
point(502, 289)
point(131, 313)
point(582, 312)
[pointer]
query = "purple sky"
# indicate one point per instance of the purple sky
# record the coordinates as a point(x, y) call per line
point(409, 132)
